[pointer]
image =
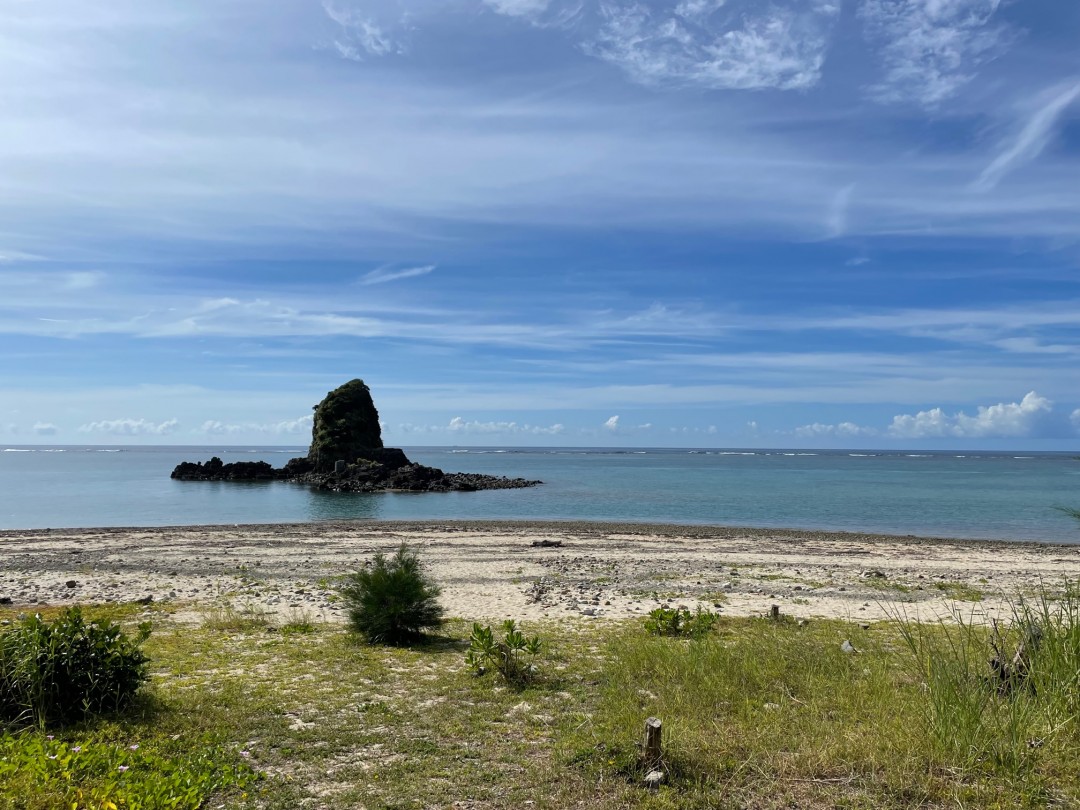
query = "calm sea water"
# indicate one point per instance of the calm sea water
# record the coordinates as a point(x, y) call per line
point(978, 495)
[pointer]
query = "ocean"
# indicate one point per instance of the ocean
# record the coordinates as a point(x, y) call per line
point(1004, 495)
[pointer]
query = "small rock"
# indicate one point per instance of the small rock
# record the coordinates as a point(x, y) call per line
point(846, 647)
point(653, 779)
point(864, 626)
point(5, 600)
point(71, 584)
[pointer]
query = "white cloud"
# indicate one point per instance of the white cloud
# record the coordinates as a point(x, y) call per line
point(45, 429)
point(929, 48)
point(459, 425)
point(1074, 417)
point(1006, 419)
point(774, 48)
point(130, 427)
point(1032, 139)
point(844, 430)
point(518, 8)
point(286, 427)
point(612, 424)
point(384, 274)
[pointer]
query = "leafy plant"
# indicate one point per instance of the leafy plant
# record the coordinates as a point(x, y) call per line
point(507, 655)
point(99, 774)
point(680, 622)
point(53, 673)
point(392, 602)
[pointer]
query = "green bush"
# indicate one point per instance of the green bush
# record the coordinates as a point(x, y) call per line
point(680, 622)
point(392, 602)
point(506, 656)
point(62, 671)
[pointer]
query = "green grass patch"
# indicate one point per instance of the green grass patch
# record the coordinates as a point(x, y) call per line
point(756, 714)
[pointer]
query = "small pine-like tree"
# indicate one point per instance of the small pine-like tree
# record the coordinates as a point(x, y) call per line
point(392, 602)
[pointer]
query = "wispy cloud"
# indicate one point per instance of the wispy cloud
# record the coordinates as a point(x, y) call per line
point(930, 48)
point(612, 424)
point(1032, 138)
point(360, 34)
point(782, 48)
point(45, 429)
point(385, 274)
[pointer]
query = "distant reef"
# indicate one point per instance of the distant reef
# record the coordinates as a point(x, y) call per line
point(347, 455)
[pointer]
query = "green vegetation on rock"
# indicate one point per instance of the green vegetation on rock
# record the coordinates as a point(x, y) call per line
point(346, 424)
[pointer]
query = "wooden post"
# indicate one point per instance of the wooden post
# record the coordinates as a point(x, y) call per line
point(652, 743)
point(774, 613)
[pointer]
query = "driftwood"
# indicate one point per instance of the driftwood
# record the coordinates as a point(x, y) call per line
point(547, 543)
point(1010, 674)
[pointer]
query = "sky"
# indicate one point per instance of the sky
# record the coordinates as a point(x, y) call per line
point(703, 223)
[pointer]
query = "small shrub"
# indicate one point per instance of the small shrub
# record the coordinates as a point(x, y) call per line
point(680, 622)
point(392, 602)
point(506, 656)
point(53, 673)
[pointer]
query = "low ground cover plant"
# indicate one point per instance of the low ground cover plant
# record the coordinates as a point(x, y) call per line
point(61, 671)
point(39, 771)
point(393, 601)
point(509, 655)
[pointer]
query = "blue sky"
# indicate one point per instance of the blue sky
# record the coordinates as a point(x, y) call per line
point(828, 223)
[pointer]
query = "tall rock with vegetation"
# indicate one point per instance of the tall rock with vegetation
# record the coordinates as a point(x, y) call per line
point(346, 427)
point(347, 455)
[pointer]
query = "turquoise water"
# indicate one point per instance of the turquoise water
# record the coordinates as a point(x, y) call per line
point(964, 494)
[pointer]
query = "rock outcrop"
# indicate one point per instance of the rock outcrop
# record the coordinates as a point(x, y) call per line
point(347, 455)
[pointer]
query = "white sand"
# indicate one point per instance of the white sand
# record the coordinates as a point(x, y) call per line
point(491, 570)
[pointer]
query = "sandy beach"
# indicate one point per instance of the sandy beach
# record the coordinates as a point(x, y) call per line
point(494, 570)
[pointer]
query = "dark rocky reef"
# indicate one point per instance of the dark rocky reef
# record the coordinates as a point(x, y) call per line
point(347, 455)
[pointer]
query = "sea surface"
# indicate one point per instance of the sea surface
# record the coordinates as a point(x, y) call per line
point(1008, 495)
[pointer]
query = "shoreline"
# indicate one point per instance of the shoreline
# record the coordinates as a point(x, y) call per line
point(489, 570)
point(716, 530)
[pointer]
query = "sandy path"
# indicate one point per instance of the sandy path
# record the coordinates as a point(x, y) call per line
point(491, 570)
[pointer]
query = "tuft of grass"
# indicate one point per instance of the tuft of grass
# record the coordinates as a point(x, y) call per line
point(960, 591)
point(227, 618)
point(298, 622)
